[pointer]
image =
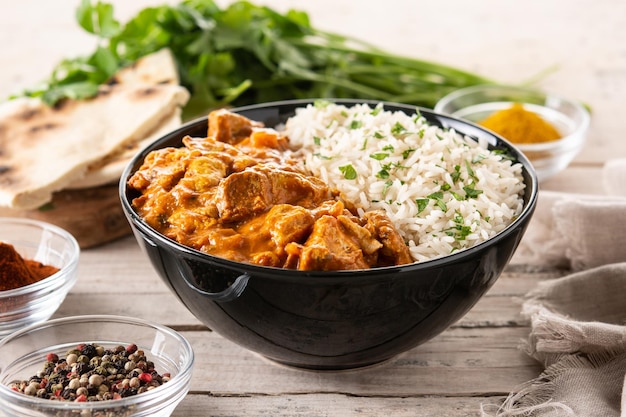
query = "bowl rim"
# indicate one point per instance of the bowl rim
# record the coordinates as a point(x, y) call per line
point(569, 141)
point(183, 374)
point(288, 274)
point(68, 270)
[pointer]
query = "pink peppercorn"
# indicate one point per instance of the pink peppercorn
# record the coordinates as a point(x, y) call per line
point(145, 377)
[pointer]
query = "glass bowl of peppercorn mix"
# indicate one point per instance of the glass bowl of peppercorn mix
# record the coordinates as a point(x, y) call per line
point(96, 366)
point(550, 130)
point(38, 267)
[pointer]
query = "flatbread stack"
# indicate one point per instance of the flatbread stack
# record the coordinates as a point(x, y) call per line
point(74, 153)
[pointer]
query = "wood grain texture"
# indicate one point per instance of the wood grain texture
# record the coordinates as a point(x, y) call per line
point(93, 216)
point(331, 405)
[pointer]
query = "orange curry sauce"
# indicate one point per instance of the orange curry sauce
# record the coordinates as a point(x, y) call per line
point(242, 194)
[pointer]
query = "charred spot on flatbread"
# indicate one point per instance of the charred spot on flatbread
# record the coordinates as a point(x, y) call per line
point(8, 177)
point(146, 92)
point(28, 114)
point(103, 92)
point(63, 105)
point(43, 127)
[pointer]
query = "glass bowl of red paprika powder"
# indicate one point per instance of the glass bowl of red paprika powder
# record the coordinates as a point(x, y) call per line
point(38, 265)
point(549, 129)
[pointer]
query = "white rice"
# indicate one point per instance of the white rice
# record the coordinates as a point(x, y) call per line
point(400, 163)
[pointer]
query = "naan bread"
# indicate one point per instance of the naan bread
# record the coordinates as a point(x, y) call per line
point(44, 149)
point(110, 169)
point(156, 68)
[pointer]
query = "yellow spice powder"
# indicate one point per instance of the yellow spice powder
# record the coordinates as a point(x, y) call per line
point(520, 125)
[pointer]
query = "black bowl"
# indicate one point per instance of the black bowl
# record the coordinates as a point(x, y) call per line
point(329, 320)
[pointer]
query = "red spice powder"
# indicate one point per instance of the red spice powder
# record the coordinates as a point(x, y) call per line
point(16, 272)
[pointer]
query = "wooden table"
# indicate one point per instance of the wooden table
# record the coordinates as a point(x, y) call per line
point(477, 360)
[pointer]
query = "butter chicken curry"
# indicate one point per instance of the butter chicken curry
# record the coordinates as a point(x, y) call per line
point(241, 193)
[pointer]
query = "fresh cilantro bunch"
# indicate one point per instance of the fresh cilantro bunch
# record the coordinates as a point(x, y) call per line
point(245, 54)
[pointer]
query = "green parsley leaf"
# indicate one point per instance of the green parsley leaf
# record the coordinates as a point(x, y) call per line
point(438, 197)
point(376, 110)
point(97, 19)
point(382, 174)
point(456, 175)
point(356, 124)
point(348, 172)
point(397, 128)
point(471, 192)
point(504, 154)
point(470, 170)
point(478, 158)
point(422, 203)
point(379, 156)
point(388, 185)
point(457, 196)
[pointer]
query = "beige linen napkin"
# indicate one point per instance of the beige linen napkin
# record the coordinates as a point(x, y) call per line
point(578, 331)
point(578, 322)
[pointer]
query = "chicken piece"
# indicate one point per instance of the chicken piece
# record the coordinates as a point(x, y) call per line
point(235, 159)
point(331, 247)
point(221, 241)
point(266, 138)
point(394, 250)
point(286, 223)
point(161, 172)
point(290, 187)
point(162, 169)
point(266, 258)
point(333, 208)
point(203, 174)
point(229, 127)
point(182, 224)
point(368, 244)
point(242, 195)
point(256, 189)
point(262, 147)
point(267, 234)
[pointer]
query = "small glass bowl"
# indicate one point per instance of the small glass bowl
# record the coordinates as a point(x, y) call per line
point(50, 245)
point(23, 354)
point(570, 118)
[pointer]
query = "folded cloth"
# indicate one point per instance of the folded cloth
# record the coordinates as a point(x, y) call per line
point(578, 331)
point(579, 231)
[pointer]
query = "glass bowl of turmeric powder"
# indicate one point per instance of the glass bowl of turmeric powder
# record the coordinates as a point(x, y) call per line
point(550, 130)
point(38, 267)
